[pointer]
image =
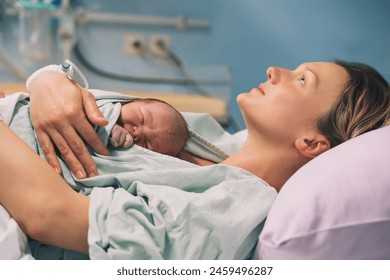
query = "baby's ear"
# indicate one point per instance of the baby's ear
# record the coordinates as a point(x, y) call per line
point(311, 146)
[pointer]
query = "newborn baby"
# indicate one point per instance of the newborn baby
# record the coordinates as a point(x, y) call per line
point(152, 124)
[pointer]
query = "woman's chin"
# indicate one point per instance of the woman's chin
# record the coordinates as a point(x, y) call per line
point(240, 99)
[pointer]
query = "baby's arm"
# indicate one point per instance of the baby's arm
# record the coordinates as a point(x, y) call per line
point(120, 137)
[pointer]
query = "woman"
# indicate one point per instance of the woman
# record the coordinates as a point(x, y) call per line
point(291, 118)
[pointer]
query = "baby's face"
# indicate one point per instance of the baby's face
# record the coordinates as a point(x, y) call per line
point(148, 122)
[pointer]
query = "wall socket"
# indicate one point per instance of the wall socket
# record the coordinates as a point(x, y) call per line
point(137, 44)
point(159, 45)
point(134, 44)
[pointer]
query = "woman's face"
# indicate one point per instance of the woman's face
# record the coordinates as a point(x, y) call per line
point(289, 102)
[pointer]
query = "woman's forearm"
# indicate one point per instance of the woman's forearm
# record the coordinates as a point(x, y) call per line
point(40, 201)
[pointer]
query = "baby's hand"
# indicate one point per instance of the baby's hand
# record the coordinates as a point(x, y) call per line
point(120, 137)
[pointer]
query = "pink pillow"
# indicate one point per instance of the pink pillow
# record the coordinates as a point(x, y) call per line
point(335, 207)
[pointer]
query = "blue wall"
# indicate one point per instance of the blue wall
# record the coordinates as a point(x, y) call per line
point(244, 38)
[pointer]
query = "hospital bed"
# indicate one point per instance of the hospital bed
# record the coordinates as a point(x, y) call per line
point(335, 207)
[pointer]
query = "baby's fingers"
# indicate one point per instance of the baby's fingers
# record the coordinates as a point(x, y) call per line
point(128, 141)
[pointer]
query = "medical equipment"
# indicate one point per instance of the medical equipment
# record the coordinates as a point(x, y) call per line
point(35, 29)
point(68, 67)
point(10, 65)
point(40, 20)
point(35, 26)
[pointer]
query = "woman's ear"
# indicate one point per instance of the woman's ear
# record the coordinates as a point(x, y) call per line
point(312, 146)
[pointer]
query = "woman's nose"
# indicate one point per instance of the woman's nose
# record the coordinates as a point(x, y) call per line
point(273, 74)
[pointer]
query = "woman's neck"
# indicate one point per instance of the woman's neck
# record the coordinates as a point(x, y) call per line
point(272, 164)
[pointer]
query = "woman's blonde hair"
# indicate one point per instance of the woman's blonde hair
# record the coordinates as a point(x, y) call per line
point(363, 106)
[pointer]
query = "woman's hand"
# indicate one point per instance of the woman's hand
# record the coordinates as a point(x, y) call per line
point(61, 112)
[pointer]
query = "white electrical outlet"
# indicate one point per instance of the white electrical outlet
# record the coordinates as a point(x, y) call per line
point(134, 44)
point(159, 45)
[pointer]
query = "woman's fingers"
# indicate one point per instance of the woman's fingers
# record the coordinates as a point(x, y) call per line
point(48, 150)
point(95, 116)
point(91, 109)
point(88, 133)
point(74, 152)
point(65, 138)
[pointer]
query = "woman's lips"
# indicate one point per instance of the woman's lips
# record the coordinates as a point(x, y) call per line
point(260, 90)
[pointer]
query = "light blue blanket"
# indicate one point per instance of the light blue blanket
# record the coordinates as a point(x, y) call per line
point(146, 205)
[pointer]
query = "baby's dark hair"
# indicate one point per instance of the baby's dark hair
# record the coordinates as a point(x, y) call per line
point(180, 132)
point(364, 104)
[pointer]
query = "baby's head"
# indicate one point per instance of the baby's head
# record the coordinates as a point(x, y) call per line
point(155, 125)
